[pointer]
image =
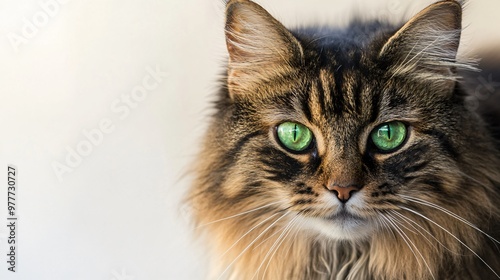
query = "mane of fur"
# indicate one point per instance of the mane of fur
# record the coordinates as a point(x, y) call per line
point(242, 249)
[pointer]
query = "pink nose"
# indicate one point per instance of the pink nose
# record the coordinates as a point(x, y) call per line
point(343, 193)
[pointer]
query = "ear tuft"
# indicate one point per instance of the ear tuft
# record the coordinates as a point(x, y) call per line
point(260, 48)
point(425, 48)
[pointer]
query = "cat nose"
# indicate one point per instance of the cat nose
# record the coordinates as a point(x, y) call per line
point(343, 192)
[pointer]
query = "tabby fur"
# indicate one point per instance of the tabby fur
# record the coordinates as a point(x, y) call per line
point(426, 211)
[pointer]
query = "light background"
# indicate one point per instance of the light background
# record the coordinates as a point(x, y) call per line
point(117, 215)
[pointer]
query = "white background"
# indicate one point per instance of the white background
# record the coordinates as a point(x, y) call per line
point(118, 214)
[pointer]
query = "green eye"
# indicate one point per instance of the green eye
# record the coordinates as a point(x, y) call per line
point(294, 136)
point(389, 136)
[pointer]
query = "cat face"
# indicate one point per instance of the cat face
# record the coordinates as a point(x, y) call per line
point(338, 166)
point(334, 132)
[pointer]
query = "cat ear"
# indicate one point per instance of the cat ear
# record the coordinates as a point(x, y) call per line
point(260, 48)
point(425, 48)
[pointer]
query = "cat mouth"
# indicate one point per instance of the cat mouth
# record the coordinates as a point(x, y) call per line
point(344, 222)
point(343, 216)
point(343, 225)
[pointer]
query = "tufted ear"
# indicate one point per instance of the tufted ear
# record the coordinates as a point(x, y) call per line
point(425, 48)
point(260, 48)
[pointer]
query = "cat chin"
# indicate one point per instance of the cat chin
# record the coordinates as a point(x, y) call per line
point(340, 227)
point(344, 223)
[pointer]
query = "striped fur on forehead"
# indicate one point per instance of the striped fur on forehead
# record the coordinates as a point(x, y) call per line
point(336, 94)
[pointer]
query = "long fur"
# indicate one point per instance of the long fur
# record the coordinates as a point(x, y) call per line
point(426, 211)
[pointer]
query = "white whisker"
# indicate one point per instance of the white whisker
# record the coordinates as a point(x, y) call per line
point(450, 213)
point(265, 240)
point(401, 224)
point(384, 224)
point(293, 238)
point(248, 232)
point(251, 243)
point(458, 239)
point(237, 215)
point(393, 226)
point(416, 248)
point(403, 236)
point(408, 220)
point(271, 248)
point(286, 232)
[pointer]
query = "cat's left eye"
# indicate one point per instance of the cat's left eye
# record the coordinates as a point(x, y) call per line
point(293, 136)
point(388, 137)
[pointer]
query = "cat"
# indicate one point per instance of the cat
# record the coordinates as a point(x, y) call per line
point(349, 153)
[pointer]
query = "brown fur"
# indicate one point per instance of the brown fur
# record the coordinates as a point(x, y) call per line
point(425, 211)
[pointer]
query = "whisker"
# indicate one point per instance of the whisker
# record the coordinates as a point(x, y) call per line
point(251, 243)
point(450, 213)
point(271, 248)
point(403, 236)
point(416, 248)
point(458, 239)
point(237, 215)
point(248, 232)
point(267, 239)
point(408, 220)
point(401, 224)
point(294, 237)
point(384, 224)
point(277, 247)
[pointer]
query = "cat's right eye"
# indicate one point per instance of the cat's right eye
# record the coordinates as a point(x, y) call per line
point(293, 136)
